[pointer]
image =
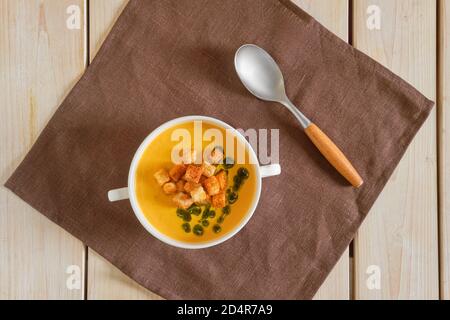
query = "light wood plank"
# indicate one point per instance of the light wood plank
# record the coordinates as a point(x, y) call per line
point(333, 15)
point(102, 16)
point(40, 60)
point(104, 280)
point(400, 236)
point(444, 143)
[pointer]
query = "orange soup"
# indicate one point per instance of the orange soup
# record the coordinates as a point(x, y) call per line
point(195, 201)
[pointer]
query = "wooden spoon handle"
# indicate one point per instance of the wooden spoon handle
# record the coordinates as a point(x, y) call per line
point(335, 156)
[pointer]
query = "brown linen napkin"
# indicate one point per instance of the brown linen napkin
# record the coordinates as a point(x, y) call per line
point(166, 59)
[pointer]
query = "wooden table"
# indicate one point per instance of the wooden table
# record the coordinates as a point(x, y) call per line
point(401, 252)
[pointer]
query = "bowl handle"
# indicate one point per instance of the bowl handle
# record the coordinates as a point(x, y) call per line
point(118, 195)
point(270, 171)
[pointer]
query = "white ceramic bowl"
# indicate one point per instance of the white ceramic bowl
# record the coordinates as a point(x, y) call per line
point(129, 192)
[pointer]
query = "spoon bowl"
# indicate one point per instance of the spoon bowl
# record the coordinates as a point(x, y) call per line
point(259, 73)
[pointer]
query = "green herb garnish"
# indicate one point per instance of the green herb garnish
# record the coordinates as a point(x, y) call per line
point(186, 227)
point(205, 223)
point(181, 212)
point(243, 173)
point(206, 213)
point(237, 183)
point(185, 215)
point(195, 210)
point(217, 228)
point(198, 230)
point(226, 210)
point(228, 163)
point(232, 197)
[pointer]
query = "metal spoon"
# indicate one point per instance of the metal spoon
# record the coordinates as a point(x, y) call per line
point(261, 76)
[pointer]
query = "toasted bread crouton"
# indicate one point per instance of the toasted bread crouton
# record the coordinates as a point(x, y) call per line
point(199, 195)
point(212, 186)
point(190, 157)
point(162, 177)
point(216, 156)
point(222, 177)
point(183, 201)
point(202, 179)
point(193, 173)
point(208, 169)
point(177, 172)
point(180, 185)
point(219, 200)
point(189, 186)
point(169, 188)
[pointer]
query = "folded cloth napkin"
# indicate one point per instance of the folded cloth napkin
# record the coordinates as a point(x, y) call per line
point(166, 59)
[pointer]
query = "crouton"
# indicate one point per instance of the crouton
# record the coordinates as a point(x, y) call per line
point(177, 172)
point(162, 177)
point(193, 173)
point(199, 195)
point(190, 157)
point(219, 200)
point(189, 186)
point(208, 169)
point(170, 188)
point(183, 201)
point(202, 179)
point(216, 156)
point(212, 186)
point(222, 177)
point(180, 185)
